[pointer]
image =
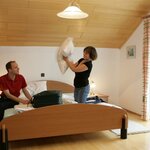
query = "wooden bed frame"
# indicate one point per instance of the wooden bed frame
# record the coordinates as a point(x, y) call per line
point(65, 119)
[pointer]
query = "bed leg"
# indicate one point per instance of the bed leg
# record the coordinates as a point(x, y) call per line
point(123, 129)
point(1, 143)
point(3, 138)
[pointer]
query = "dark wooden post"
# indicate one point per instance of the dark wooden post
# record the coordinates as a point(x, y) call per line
point(3, 138)
point(123, 129)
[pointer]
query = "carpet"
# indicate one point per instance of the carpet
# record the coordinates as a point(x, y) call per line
point(133, 128)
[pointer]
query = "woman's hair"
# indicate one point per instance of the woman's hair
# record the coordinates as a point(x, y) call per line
point(91, 51)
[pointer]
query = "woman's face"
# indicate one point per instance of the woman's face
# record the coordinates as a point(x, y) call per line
point(86, 55)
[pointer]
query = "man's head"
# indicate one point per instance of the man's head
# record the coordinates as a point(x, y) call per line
point(12, 67)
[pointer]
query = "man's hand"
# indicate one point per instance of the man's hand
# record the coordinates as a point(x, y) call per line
point(24, 101)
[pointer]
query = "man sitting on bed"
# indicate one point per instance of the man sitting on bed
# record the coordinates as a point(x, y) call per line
point(11, 84)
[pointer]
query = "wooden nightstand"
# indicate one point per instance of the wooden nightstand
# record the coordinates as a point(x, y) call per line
point(102, 96)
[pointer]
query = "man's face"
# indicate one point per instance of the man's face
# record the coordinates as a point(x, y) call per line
point(14, 68)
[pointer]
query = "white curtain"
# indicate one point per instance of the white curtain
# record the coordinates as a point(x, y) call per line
point(146, 69)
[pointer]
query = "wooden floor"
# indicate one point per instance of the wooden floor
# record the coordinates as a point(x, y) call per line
point(104, 140)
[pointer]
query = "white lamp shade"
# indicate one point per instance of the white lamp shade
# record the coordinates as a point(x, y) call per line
point(72, 12)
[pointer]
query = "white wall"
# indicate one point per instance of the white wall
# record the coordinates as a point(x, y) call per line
point(36, 60)
point(106, 73)
point(131, 82)
point(33, 61)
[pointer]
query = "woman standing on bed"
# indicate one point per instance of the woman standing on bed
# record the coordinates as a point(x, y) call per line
point(82, 71)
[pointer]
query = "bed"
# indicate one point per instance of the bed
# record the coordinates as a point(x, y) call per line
point(65, 119)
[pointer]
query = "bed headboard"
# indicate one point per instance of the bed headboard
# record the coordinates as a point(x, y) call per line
point(57, 85)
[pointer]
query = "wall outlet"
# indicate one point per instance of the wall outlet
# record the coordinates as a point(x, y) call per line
point(42, 74)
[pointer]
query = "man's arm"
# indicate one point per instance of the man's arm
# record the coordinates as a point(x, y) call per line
point(27, 94)
point(14, 98)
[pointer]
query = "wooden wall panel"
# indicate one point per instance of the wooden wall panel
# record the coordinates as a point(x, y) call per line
point(34, 22)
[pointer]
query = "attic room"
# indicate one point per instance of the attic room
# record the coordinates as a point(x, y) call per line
point(31, 34)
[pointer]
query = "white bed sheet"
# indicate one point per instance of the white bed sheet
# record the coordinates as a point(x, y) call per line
point(67, 98)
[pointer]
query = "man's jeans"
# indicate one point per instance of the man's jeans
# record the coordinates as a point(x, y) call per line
point(6, 103)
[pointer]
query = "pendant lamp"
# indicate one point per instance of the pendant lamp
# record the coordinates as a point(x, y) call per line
point(73, 11)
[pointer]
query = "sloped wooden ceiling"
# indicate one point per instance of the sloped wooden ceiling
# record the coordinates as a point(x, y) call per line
point(34, 22)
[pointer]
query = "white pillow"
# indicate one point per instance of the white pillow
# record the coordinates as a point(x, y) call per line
point(66, 49)
point(40, 86)
point(68, 98)
point(34, 87)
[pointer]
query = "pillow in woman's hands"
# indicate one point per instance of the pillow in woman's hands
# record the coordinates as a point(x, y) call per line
point(66, 49)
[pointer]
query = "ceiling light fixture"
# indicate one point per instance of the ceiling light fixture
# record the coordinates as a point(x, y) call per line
point(73, 11)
